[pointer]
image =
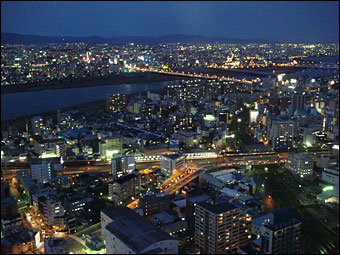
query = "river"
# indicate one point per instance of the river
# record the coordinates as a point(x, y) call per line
point(15, 105)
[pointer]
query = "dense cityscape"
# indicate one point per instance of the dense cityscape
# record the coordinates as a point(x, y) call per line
point(169, 148)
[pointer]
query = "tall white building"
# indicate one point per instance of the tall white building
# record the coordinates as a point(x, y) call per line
point(126, 232)
point(37, 124)
point(170, 163)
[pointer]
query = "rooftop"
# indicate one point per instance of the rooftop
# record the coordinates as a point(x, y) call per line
point(217, 208)
point(181, 132)
point(172, 156)
point(125, 178)
point(53, 241)
point(132, 229)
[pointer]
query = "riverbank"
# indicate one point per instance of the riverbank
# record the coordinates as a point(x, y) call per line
point(99, 105)
point(124, 78)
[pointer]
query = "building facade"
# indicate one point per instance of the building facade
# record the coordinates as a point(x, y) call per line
point(170, 163)
point(300, 164)
point(221, 228)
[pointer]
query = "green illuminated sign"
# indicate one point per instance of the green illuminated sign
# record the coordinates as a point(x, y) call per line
point(327, 188)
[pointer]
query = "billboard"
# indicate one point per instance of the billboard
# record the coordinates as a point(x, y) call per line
point(37, 239)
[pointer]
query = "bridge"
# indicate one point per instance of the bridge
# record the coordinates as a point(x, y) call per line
point(202, 76)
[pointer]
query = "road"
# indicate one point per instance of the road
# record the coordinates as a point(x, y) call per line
point(227, 160)
point(174, 187)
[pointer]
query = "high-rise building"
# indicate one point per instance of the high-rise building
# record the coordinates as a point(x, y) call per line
point(221, 228)
point(116, 103)
point(37, 125)
point(282, 235)
point(117, 166)
point(126, 232)
point(171, 163)
point(298, 101)
point(282, 134)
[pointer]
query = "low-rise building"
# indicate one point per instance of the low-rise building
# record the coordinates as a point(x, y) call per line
point(55, 245)
point(126, 232)
point(155, 203)
point(300, 164)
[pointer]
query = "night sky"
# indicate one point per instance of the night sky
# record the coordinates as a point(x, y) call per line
point(282, 21)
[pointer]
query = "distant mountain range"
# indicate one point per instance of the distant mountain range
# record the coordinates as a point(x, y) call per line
point(12, 38)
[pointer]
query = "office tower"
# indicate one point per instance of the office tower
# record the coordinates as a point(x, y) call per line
point(171, 163)
point(300, 164)
point(126, 232)
point(282, 235)
point(221, 228)
point(37, 125)
point(54, 245)
point(282, 134)
point(116, 103)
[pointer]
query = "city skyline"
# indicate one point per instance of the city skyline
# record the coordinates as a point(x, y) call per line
point(276, 21)
point(169, 128)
